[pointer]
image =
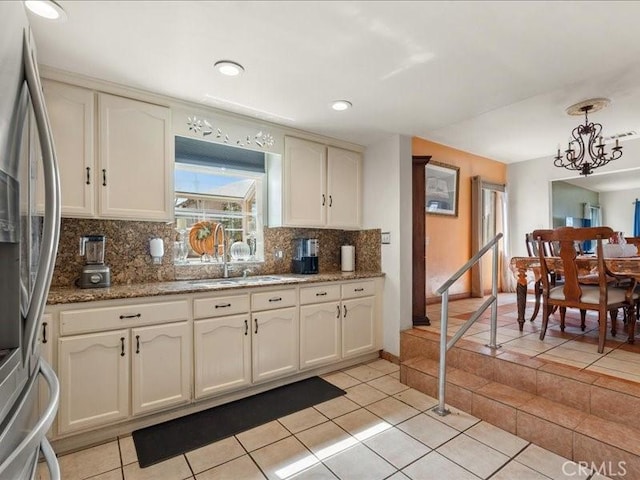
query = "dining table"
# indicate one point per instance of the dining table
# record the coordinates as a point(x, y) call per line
point(628, 266)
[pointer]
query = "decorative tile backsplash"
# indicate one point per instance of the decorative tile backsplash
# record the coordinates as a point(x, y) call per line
point(127, 251)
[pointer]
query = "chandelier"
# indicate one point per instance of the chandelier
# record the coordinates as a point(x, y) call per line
point(585, 151)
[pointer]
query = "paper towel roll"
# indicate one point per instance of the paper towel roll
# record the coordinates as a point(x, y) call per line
point(347, 256)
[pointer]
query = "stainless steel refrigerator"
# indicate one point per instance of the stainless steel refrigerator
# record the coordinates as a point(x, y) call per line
point(28, 244)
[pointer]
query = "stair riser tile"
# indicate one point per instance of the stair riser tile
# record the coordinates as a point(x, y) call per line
point(422, 382)
point(564, 390)
point(475, 363)
point(411, 346)
point(458, 397)
point(545, 434)
point(516, 376)
point(496, 413)
point(615, 406)
point(607, 460)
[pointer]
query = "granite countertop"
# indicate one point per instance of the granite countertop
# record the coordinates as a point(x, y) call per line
point(74, 295)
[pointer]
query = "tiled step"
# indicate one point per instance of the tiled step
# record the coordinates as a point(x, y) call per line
point(583, 416)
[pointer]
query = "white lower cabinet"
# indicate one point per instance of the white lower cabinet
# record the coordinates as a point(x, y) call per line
point(160, 366)
point(320, 325)
point(275, 343)
point(222, 353)
point(359, 332)
point(119, 359)
point(358, 326)
point(141, 363)
point(94, 379)
point(319, 334)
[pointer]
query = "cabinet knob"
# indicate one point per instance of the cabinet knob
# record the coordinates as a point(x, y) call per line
point(122, 346)
point(345, 311)
point(88, 175)
point(256, 321)
point(104, 177)
point(137, 343)
point(44, 333)
point(330, 200)
point(323, 199)
point(246, 327)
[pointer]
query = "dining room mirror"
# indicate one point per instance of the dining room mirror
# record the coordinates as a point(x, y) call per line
point(217, 184)
point(599, 199)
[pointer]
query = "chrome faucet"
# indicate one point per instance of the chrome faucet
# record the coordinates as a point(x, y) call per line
point(225, 271)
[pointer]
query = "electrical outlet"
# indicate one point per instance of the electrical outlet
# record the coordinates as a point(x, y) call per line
point(385, 238)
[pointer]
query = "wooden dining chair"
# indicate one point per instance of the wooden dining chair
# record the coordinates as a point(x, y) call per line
point(601, 296)
point(532, 250)
point(633, 241)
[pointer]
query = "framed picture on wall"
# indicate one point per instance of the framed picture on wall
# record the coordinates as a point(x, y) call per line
point(441, 184)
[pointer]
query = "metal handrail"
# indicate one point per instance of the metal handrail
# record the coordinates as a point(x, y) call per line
point(445, 346)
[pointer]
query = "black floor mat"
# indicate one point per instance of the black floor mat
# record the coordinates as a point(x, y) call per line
point(165, 440)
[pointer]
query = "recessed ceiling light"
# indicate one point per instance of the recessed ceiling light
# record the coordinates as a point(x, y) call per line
point(48, 9)
point(341, 105)
point(229, 68)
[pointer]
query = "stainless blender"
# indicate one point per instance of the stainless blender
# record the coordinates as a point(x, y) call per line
point(94, 272)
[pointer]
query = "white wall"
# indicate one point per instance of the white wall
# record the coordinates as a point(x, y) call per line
point(618, 209)
point(387, 205)
point(529, 186)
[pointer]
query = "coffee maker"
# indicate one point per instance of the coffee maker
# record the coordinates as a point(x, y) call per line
point(305, 255)
point(94, 272)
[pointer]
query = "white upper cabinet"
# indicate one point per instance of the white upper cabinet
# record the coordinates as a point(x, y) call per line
point(72, 114)
point(305, 183)
point(343, 188)
point(321, 185)
point(116, 160)
point(135, 159)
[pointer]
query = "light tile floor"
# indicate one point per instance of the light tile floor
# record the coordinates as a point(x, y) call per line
point(571, 347)
point(380, 430)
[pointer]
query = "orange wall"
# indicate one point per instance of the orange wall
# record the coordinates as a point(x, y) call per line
point(449, 238)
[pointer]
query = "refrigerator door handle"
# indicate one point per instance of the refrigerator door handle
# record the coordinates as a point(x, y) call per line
point(51, 225)
point(50, 458)
point(34, 437)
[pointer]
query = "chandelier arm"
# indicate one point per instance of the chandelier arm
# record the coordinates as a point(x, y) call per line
point(576, 157)
point(596, 152)
point(586, 140)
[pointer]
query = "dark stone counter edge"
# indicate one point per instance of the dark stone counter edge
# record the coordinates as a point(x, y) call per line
point(59, 296)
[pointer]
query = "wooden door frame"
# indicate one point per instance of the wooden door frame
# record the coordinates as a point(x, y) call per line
point(419, 280)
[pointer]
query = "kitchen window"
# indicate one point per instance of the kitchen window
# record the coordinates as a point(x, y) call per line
point(222, 185)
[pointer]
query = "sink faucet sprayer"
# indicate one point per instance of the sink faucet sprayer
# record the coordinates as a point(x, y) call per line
point(225, 271)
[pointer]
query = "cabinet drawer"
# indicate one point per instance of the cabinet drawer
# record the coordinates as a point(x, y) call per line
point(122, 316)
point(220, 306)
point(273, 299)
point(324, 293)
point(358, 289)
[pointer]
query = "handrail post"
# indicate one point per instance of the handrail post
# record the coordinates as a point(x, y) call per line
point(442, 367)
point(441, 409)
point(494, 306)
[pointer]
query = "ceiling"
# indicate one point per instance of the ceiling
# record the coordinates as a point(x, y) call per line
point(491, 78)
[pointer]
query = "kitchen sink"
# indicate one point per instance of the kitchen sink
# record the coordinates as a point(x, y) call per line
point(257, 280)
